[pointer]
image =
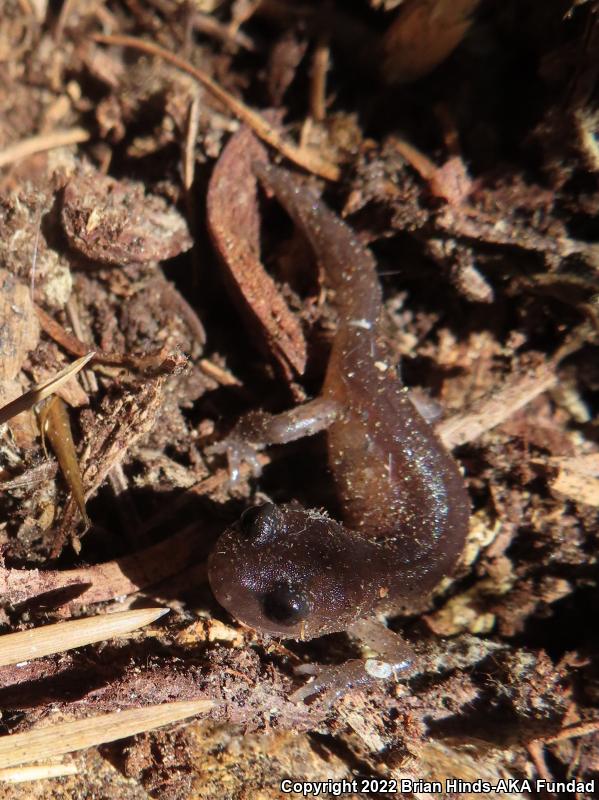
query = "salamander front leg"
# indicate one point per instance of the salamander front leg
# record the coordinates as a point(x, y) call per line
point(332, 681)
point(259, 429)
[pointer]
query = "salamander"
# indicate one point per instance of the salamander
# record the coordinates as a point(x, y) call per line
point(295, 573)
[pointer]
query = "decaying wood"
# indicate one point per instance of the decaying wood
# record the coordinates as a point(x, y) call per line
point(577, 478)
point(20, 331)
point(492, 411)
point(19, 334)
point(113, 222)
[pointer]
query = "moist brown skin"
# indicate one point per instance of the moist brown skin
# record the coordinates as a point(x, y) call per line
point(296, 573)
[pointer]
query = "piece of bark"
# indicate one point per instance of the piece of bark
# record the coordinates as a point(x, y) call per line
point(115, 222)
point(492, 411)
point(234, 224)
point(121, 424)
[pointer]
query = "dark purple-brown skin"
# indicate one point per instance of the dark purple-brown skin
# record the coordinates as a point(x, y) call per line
point(299, 574)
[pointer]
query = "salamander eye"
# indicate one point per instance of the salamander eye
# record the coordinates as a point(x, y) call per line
point(286, 604)
point(260, 523)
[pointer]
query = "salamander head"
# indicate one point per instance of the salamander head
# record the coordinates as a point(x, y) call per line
point(284, 572)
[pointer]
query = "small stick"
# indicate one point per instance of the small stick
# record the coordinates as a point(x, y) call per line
point(189, 148)
point(39, 144)
point(207, 24)
point(492, 411)
point(67, 8)
point(150, 362)
point(242, 13)
point(308, 159)
point(415, 158)
point(222, 376)
point(38, 230)
point(88, 378)
point(537, 756)
point(571, 731)
point(318, 82)
point(535, 747)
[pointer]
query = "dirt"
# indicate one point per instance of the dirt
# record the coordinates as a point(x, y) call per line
point(461, 143)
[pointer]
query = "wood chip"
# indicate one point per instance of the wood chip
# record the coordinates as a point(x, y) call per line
point(492, 411)
point(578, 479)
point(19, 335)
point(120, 423)
point(115, 222)
point(19, 328)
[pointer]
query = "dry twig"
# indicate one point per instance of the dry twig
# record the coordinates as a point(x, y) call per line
point(308, 159)
point(492, 411)
point(42, 143)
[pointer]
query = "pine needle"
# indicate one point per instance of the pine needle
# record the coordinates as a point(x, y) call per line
point(61, 636)
point(65, 737)
point(33, 396)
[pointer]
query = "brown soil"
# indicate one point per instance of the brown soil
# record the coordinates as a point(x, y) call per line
point(467, 157)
